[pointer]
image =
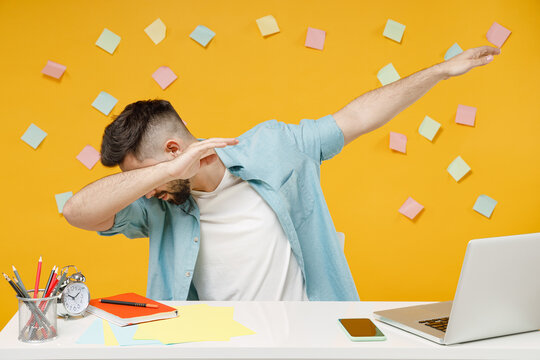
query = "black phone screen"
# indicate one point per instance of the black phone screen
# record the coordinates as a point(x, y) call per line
point(360, 327)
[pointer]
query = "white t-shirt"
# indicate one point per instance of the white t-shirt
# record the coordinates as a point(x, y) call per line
point(244, 253)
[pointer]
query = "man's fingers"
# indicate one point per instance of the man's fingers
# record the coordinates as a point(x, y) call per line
point(482, 61)
point(486, 50)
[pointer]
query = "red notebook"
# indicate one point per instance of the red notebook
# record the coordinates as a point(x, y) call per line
point(123, 315)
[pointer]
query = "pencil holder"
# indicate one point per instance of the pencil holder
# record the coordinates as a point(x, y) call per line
point(37, 318)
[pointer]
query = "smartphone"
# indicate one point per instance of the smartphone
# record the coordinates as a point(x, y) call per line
point(361, 330)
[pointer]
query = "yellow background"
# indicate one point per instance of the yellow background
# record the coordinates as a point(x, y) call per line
point(242, 79)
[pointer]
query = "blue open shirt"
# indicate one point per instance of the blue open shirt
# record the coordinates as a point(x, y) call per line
point(282, 163)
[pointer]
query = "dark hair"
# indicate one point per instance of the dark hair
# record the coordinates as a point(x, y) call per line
point(124, 135)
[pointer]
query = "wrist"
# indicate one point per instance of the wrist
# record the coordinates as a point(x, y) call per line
point(165, 172)
point(441, 71)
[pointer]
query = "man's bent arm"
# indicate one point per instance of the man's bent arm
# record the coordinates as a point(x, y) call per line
point(95, 206)
point(375, 108)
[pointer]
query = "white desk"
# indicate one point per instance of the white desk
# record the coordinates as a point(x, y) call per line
point(284, 330)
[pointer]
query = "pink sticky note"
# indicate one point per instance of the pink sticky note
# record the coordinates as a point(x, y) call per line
point(398, 142)
point(53, 69)
point(164, 76)
point(410, 208)
point(465, 115)
point(497, 34)
point(315, 38)
point(89, 156)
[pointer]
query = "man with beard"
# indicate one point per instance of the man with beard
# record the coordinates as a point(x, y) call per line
point(238, 219)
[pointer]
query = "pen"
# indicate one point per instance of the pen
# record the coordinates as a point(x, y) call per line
point(129, 303)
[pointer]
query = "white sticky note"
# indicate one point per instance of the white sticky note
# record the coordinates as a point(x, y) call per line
point(429, 128)
point(458, 168)
point(394, 30)
point(156, 31)
point(388, 74)
point(108, 41)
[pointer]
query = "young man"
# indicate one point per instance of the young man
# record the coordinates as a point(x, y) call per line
point(238, 219)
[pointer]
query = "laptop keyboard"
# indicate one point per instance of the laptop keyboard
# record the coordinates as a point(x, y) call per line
point(439, 324)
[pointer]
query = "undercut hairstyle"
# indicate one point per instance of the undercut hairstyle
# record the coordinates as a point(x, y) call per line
point(137, 131)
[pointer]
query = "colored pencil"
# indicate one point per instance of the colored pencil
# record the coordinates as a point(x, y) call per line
point(15, 287)
point(51, 287)
point(38, 275)
point(59, 284)
point(21, 285)
point(129, 303)
point(23, 291)
point(50, 278)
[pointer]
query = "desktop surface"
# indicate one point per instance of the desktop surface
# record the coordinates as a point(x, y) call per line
point(284, 330)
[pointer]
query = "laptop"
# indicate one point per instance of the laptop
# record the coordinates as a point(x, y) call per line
point(498, 294)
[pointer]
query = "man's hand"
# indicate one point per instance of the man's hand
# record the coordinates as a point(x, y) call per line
point(470, 58)
point(188, 162)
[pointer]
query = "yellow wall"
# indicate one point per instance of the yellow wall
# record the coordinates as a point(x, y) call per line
point(242, 79)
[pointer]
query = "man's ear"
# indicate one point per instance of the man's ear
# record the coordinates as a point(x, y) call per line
point(172, 147)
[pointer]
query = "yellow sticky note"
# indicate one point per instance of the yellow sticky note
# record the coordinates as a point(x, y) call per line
point(156, 31)
point(110, 339)
point(199, 322)
point(267, 25)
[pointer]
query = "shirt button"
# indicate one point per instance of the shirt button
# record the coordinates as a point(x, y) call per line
point(188, 274)
point(196, 239)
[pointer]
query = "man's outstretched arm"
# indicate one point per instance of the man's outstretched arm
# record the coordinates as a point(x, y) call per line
point(375, 108)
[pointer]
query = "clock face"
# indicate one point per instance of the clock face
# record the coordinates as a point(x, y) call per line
point(76, 298)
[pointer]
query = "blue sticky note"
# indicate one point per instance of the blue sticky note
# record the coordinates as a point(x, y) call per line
point(485, 205)
point(61, 200)
point(202, 35)
point(108, 41)
point(453, 51)
point(104, 102)
point(124, 336)
point(33, 136)
point(93, 335)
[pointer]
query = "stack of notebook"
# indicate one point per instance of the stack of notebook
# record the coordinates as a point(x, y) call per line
point(123, 315)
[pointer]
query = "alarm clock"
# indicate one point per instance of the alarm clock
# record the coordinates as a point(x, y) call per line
point(75, 296)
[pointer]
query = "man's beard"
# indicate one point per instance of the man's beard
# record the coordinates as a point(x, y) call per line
point(179, 191)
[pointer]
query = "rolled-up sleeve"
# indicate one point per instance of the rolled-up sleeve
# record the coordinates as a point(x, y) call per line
point(320, 139)
point(132, 221)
